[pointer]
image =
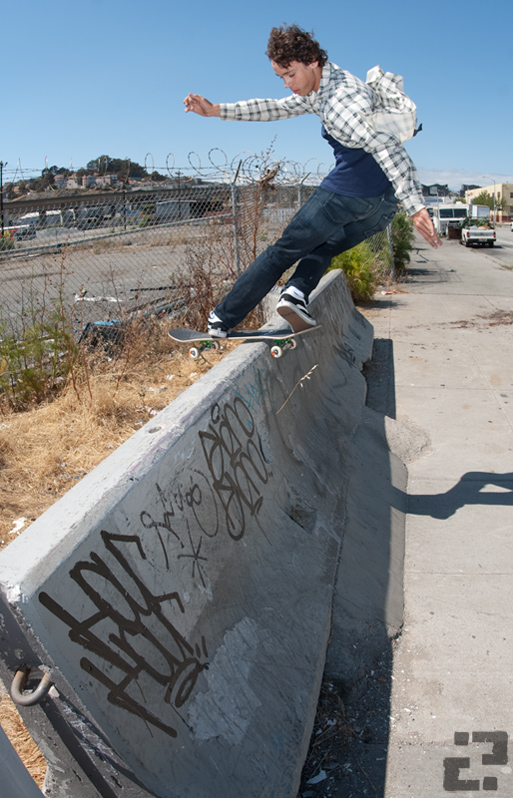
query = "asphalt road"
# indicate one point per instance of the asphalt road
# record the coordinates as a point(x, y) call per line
point(502, 252)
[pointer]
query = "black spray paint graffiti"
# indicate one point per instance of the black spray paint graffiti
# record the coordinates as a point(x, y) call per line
point(142, 644)
point(133, 646)
point(188, 513)
point(235, 462)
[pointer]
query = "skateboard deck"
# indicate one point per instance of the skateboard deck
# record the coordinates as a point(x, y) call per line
point(281, 339)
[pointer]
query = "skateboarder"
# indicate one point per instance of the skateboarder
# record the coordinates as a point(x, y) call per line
point(359, 197)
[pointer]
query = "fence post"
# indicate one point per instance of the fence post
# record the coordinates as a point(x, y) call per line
point(300, 189)
point(391, 250)
point(2, 198)
point(235, 219)
point(124, 210)
point(179, 184)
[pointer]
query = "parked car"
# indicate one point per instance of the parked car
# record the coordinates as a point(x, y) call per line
point(478, 232)
point(19, 232)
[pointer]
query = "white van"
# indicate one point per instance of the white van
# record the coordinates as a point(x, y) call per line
point(443, 214)
point(42, 218)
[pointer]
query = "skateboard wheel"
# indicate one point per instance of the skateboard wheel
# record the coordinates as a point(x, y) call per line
point(292, 343)
point(194, 352)
point(216, 346)
point(276, 351)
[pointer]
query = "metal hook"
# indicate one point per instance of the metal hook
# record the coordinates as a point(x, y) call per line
point(35, 696)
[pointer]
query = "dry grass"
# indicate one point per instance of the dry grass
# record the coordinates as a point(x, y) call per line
point(27, 750)
point(44, 451)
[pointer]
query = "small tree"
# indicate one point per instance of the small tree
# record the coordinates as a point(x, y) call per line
point(122, 167)
point(402, 240)
point(485, 198)
point(46, 180)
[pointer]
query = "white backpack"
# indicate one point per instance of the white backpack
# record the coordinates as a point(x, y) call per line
point(398, 114)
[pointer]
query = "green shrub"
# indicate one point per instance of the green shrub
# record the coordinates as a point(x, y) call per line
point(361, 273)
point(36, 360)
point(368, 264)
point(403, 237)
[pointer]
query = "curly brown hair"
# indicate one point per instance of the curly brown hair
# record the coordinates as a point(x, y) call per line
point(291, 43)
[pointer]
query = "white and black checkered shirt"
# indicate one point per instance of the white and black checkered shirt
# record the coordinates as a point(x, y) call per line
point(342, 102)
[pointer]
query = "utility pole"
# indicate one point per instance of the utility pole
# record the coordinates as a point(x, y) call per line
point(494, 203)
point(2, 197)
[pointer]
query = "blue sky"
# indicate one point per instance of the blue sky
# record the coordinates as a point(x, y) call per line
point(109, 77)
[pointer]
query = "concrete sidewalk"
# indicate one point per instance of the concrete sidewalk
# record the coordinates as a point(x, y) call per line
point(451, 328)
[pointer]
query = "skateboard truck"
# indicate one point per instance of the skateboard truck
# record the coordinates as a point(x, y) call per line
point(281, 345)
point(195, 351)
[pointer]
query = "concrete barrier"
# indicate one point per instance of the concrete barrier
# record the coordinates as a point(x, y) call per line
point(180, 595)
point(15, 779)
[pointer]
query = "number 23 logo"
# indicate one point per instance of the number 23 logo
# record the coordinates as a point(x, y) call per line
point(453, 764)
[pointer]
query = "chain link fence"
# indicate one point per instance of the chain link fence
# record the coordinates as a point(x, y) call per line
point(102, 256)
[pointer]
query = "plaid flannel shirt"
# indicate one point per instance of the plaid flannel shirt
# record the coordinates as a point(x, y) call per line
point(343, 102)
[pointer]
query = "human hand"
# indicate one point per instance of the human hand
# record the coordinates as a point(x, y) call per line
point(199, 105)
point(424, 225)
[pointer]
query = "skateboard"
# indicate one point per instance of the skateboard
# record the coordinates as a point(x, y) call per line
point(281, 339)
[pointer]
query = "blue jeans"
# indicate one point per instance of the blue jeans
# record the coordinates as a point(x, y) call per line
point(326, 225)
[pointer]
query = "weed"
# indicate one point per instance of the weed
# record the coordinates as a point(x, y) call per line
point(216, 256)
point(36, 357)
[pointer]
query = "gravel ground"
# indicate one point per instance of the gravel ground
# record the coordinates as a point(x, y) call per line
point(348, 748)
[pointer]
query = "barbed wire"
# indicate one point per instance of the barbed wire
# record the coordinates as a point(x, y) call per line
point(249, 167)
point(244, 167)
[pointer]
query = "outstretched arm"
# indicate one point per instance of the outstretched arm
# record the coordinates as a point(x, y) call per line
point(424, 225)
point(199, 105)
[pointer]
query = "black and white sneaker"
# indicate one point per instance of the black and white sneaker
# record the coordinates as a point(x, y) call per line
point(216, 327)
point(292, 306)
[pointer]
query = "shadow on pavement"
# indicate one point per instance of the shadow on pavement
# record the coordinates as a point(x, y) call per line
point(348, 749)
point(469, 490)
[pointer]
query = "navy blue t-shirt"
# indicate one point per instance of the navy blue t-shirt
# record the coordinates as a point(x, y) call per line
point(356, 173)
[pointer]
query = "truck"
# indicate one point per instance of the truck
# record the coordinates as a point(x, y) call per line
point(480, 212)
point(43, 218)
point(478, 232)
point(445, 215)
